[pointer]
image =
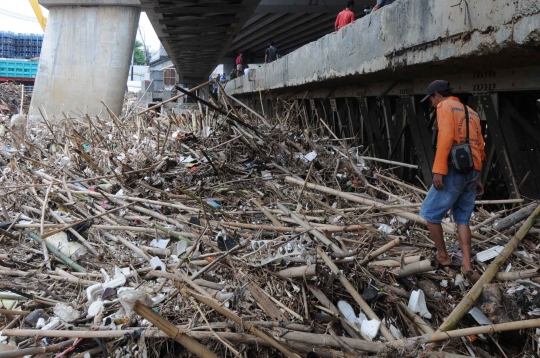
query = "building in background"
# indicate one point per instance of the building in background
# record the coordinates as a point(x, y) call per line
point(20, 46)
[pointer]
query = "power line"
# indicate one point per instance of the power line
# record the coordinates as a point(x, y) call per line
point(17, 15)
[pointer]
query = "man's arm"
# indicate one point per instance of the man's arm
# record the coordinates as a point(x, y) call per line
point(445, 140)
point(277, 56)
point(377, 5)
point(337, 22)
point(266, 58)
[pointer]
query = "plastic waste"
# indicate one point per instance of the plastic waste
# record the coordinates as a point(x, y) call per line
point(65, 312)
point(347, 311)
point(310, 156)
point(479, 316)
point(72, 249)
point(94, 292)
point(385, 228)
point(160, 243)
point(157, 264)
point(128, 297)
point(417, 303)
point(489, 254)
point(370, 328)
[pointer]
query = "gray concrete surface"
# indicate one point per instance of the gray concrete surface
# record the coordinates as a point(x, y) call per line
point(410, 38)
point(84, 60)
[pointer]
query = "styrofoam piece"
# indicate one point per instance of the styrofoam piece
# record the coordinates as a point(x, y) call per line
point(347, 311)
point(479, 316)
point(489, 254)
point(370, 328)
point(417, 303)
point(158, 299)
point(65, 312)
point(156, 263)
point(179, 248)
point(310, 156)
point(444, 283)
point(53, 323)
point(160, 243)
point(385, 228)
point(95, 309)
point(40, 323)
point(459, 279)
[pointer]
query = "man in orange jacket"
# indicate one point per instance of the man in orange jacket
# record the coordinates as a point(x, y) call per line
point(452, 190)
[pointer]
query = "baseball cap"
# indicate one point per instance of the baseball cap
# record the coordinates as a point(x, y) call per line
point(436, 86)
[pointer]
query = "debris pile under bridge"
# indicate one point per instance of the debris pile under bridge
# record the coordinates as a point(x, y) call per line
point(219, 232)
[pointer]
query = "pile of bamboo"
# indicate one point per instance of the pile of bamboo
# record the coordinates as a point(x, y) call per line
point(13, 99)
point(238, 235)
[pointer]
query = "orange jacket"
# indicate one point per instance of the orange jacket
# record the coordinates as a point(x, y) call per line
point(344, 18)
point(452, 131)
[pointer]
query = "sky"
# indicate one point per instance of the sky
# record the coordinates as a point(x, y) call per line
point(18, 16)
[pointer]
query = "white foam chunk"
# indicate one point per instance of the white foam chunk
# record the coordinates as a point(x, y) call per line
point(417, 303)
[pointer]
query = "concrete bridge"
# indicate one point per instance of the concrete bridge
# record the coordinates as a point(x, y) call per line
point(88, 43)
point(364, 80)
point(367, 81)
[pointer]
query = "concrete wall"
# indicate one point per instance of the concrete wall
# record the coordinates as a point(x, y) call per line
point(403, 37)
point(85, 59)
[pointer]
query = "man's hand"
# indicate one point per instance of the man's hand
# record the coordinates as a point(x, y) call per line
point(479, 187)
point(438, 181)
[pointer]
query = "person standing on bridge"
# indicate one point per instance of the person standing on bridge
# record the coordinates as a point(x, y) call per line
point(271, 54)
point(381, 3)
point(456, 172)
point(345, 17)
point(239, 65)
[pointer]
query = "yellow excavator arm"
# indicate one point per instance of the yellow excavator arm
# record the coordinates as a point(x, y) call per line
point(39, 15)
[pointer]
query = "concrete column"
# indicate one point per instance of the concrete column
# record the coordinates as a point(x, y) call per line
point(85, 57)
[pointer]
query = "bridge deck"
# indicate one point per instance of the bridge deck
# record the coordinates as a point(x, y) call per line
point(408, 40)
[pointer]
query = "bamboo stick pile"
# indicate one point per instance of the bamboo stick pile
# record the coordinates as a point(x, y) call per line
point(218, 232)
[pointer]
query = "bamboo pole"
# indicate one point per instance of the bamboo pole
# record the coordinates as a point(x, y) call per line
point(441, 336)
point(36, 350)
point(377, 205)
point(356, 296)
point(172, 234)
point(329, 228)
point(516, 275)
point(301, 271)
point(413, 269)
point(416, 319)
point(395, 262)
point(57, 253)
point(266, 212)
point(369, 257)
point(18, 273)
point(172, 331)
point(470, 298)
point(319, 235)
point(230, 315)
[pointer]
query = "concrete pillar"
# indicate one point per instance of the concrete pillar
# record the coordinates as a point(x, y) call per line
point(85, 57)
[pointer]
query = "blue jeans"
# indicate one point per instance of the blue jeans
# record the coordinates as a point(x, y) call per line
point(459, 194)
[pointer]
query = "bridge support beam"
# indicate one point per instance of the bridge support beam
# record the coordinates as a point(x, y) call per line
point(85, 58)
